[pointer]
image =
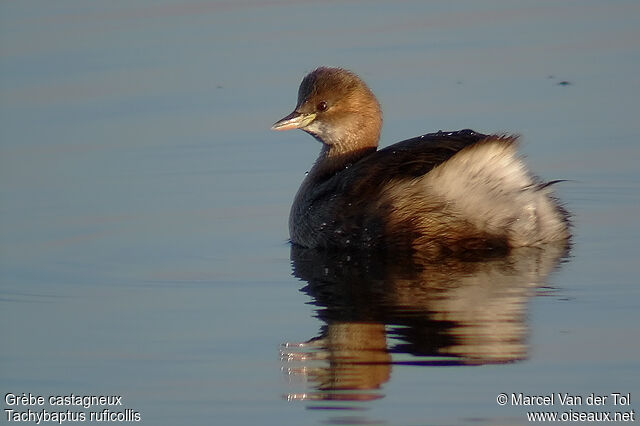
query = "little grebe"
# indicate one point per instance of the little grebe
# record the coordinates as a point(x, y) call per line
point(440, 193)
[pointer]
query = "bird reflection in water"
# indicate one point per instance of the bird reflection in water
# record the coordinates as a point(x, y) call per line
point(381, 310)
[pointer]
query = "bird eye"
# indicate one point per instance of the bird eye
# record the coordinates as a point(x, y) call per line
point(322, 106)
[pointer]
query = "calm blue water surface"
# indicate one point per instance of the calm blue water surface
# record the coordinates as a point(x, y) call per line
point(144, 205)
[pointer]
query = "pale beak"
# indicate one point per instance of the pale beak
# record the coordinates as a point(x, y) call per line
point(295, 120)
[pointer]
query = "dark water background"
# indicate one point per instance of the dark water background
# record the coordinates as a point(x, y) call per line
point(144, 202)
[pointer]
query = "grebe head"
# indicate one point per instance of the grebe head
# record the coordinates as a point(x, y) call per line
point(337, 108)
